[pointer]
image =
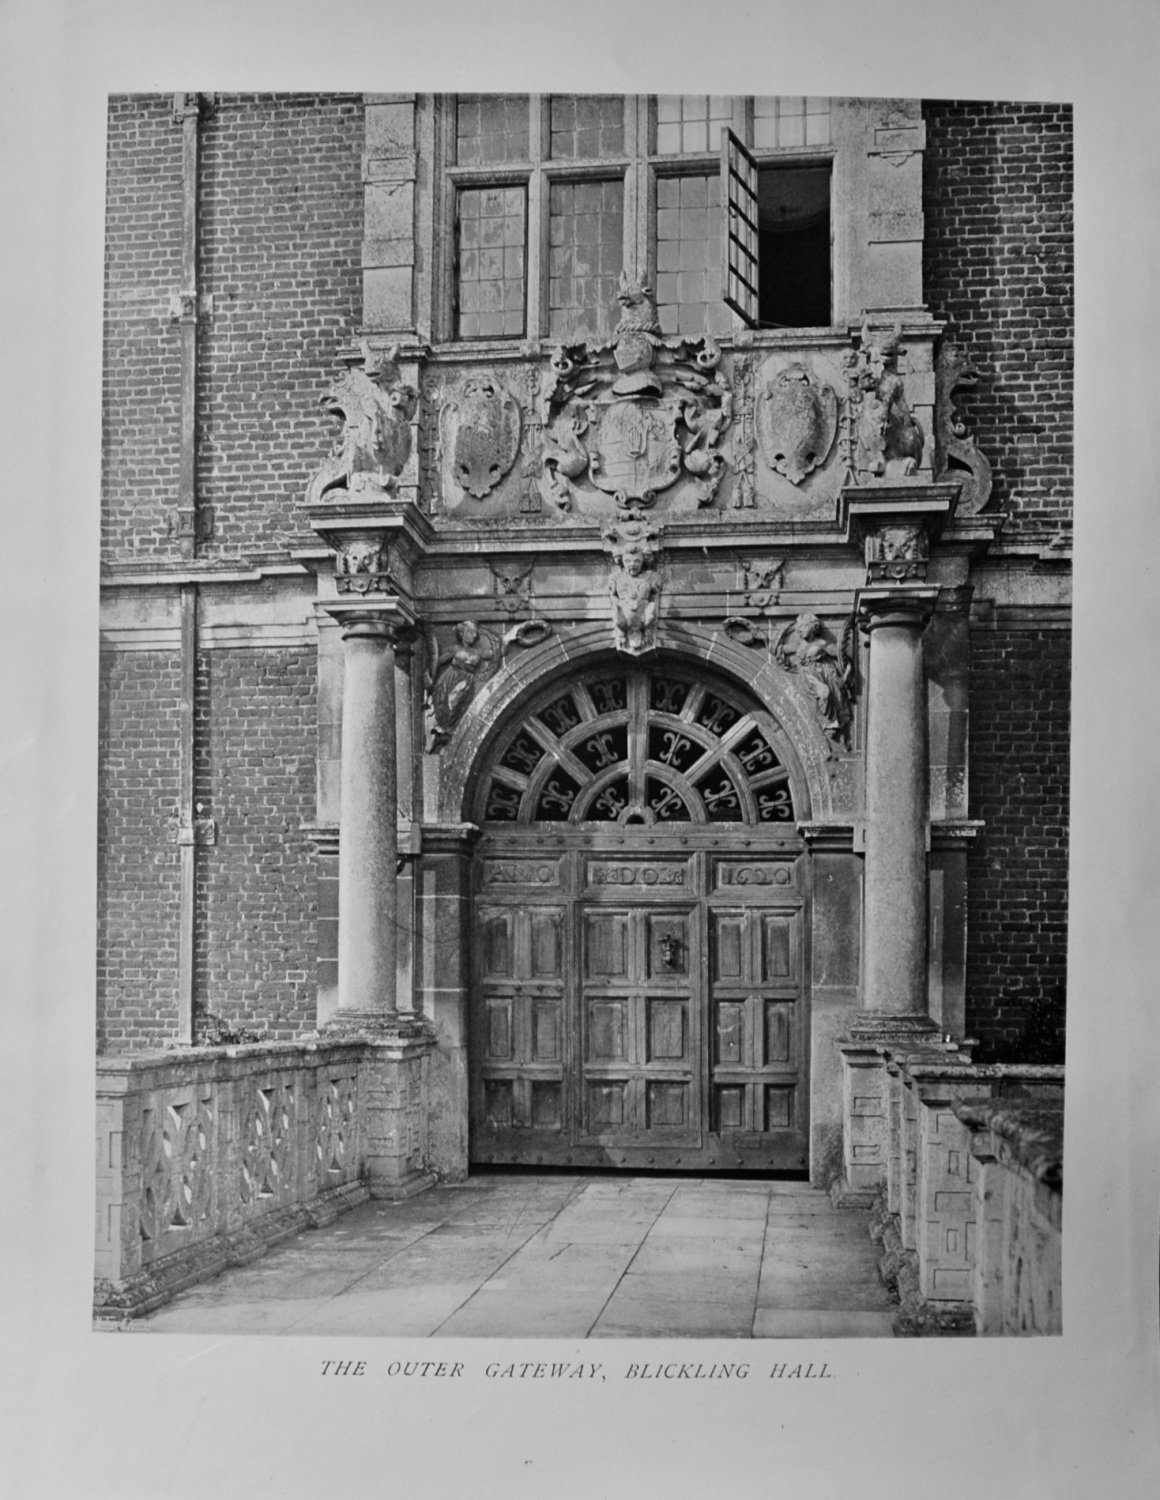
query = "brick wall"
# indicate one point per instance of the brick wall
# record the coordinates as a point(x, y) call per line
point(138, 879)
point(255, 939)
point(1017, 904)
point(997, 267)
point(280, 253)
point(142, 353)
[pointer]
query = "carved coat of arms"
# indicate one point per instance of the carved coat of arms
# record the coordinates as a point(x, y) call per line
point(797, 421)
point(637, 414)
point(479, 430)
point(634, 450)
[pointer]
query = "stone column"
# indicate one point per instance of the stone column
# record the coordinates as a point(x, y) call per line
point(894, 972)
point(368, 837)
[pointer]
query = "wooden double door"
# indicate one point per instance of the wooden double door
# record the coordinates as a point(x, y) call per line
point(637, 1006)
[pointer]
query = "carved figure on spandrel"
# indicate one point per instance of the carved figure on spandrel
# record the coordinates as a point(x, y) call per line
point(456, 677)
point(375, 408)
point(803, 647)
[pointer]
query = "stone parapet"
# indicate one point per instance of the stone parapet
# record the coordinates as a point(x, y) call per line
point(1016, 1151)
point(208, 1156)
point(964, 1164)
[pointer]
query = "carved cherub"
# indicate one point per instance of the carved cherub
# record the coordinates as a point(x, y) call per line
point(633, 584)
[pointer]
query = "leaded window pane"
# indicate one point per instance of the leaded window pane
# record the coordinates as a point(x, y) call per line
point(585, 256)
point(490, 281)
point(491, 128)
point(691, 122)
point(587, 125)
point(689, 256)
point(791, 121)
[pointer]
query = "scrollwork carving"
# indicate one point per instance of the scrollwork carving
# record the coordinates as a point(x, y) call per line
point(956, 451)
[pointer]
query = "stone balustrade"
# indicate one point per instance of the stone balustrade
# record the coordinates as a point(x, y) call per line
point(207, 1156)
point(961, 1164)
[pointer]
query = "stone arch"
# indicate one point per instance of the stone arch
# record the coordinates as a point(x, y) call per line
point(804, 746)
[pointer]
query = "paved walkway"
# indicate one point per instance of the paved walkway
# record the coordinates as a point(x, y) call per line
point(513, 1255)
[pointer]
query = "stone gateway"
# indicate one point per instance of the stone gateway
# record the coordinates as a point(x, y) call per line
point(585, 642)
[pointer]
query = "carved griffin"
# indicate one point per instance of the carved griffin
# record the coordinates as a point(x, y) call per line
point(374, 441)
point(885, 440)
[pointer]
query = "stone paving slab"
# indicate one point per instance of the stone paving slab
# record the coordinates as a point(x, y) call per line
point(508, 1255)
point(805, 1324)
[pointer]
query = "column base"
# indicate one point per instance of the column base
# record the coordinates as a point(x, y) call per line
point(379, 1026)
point(394, 1190)
point(880, 1028)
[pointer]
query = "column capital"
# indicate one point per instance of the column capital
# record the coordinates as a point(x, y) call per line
point(386, 618)
point(905, 604)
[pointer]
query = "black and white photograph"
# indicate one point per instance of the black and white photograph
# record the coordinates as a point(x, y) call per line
point(584, 715)
point(609, 827)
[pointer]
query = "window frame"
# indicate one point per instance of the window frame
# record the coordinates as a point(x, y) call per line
point(537, 175)
point(638, 168)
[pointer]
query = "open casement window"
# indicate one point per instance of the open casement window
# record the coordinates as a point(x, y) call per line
point(775, 239)
point(722, 204)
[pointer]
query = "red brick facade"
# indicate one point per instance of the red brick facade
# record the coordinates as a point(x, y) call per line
point(255, 778)
point(280, 243)
point(998, 268)
point(138, 882)
point(1017, 904)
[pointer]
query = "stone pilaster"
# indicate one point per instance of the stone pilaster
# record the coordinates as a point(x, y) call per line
point(442, 967)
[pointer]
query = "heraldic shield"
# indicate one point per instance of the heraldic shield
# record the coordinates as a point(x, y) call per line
point(797, 421)
point(635, 451)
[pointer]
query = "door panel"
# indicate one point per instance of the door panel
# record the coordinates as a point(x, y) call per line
point(676, 1037)
point(519, 1084)
point(639, 982)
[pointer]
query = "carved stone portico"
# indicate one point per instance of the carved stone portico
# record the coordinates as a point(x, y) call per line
point(599, 732)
